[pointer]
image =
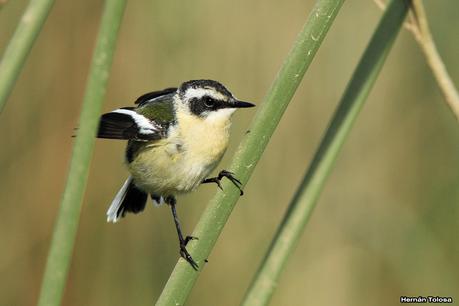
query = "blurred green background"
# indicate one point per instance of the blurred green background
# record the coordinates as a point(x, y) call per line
point(387, 223)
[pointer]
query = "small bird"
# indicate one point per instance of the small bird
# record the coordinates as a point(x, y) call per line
point(176, 138)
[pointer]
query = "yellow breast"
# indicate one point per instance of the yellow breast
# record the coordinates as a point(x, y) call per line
point(204, 141)
point(179, 163)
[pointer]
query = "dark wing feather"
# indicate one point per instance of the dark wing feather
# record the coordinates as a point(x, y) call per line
point(154, 94)
point(127, 124)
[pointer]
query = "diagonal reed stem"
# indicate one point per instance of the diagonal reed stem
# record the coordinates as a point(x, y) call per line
point(300, 209)
point(434, 60)
point(66, 226)
point(251, 148)
point(20, 45)
point(419, 27)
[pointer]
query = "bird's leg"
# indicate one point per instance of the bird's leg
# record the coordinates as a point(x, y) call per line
point(229, 175)
point(170, 200)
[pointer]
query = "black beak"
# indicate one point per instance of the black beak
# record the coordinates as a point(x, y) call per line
point(242, 104)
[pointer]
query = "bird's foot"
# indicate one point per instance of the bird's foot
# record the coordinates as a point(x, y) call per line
point(188, 239)
point(229, 175)
point(184, 253)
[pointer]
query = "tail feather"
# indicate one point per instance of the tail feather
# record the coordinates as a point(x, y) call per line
point(128, 199)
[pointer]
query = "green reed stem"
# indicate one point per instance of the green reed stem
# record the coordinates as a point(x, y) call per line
point(20, 45)
point(304, 201)
point(66, 226)
point(251, 148)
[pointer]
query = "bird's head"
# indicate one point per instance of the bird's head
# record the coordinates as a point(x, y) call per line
point(208, 100)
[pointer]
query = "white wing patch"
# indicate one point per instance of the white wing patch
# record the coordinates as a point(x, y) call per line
point(145, 126)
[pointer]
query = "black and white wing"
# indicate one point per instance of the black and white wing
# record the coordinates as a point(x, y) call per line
point(126, 123)
point(148, 121)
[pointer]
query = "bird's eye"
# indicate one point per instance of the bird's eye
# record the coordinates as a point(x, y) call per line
point(209, 102)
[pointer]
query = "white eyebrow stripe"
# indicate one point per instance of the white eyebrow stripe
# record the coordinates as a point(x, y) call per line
point(145, 126)
point(201, 92)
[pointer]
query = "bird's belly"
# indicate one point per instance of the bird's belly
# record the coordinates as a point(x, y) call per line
point(169, 169)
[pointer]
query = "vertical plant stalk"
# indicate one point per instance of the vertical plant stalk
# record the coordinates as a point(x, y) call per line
point(66, 226)
point(20, 45)
point(304, 201)
point(251, 148)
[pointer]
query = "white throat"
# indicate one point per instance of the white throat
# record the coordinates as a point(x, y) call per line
point(220, 115)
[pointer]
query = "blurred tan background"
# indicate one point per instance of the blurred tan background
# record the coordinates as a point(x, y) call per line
point(387, 223)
